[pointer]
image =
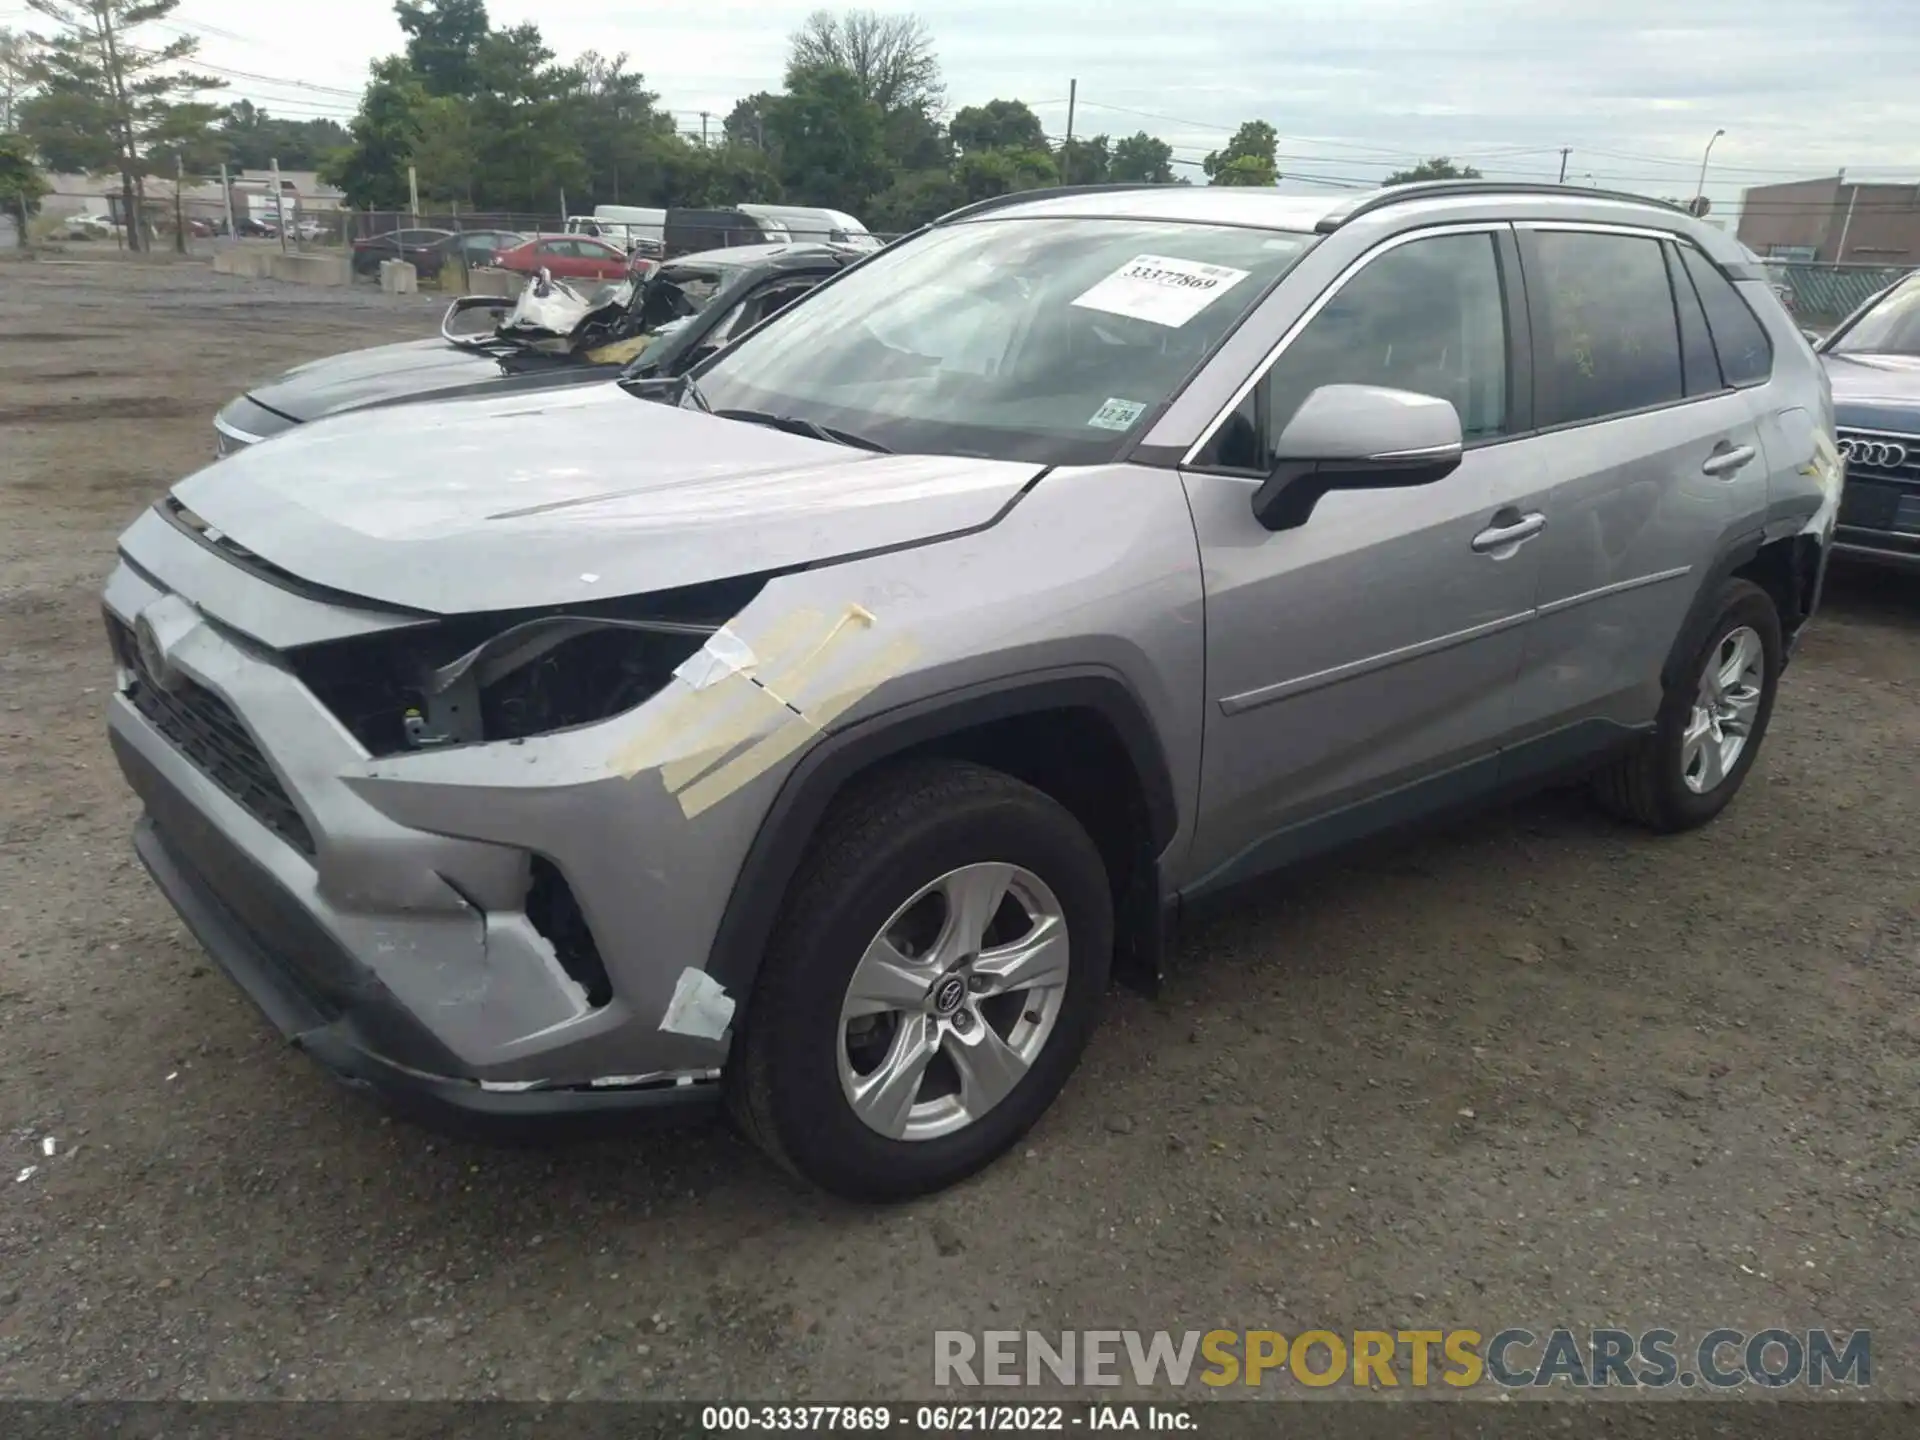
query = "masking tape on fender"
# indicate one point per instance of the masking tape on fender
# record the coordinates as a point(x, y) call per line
point(750, 689)
point(725, 703)
point(798, 731)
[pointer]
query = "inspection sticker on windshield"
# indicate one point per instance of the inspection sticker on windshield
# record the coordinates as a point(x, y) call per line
point(1117, 414)
point(1161, 289)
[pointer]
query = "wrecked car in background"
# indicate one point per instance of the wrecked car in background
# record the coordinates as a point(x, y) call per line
point(679, 314)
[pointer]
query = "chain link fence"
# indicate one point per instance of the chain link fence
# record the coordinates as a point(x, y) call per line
point(1822, 294)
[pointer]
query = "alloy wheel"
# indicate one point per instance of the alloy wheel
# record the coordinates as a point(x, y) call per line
point(1725, 706)
point(953, 1001)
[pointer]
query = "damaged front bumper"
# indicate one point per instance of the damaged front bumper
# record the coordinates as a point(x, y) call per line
point(361, 1034)
point(396, 917)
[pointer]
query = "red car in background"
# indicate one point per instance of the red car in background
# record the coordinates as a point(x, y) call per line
point(566, 257)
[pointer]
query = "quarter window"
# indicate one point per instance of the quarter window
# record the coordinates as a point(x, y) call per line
point(1697, 359)
point(1610, 340)
point(1427, 316)
point(1746, 355)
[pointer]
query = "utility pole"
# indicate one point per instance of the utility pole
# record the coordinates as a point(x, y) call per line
point(1853, 195)
point(180, 204)
point(279, 206)
point(703, 129)
point(1564, 152)
point(226, 194)
point(1066, 150)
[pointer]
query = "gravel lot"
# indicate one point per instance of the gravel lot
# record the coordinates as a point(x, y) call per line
point(1533, 1069)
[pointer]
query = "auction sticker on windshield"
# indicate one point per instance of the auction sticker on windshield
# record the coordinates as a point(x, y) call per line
point(1161, 289)
point(1117, 414)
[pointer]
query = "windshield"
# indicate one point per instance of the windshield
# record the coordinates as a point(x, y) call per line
point(1890, 328)
point(1046, 340)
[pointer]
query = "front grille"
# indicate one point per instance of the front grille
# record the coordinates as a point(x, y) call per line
point(204, 728)
point(1883, 482)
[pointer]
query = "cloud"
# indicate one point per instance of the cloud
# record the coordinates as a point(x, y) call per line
point(1355, 87)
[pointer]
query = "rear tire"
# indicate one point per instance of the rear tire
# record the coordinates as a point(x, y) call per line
point(1689, 769)
point(880, 908)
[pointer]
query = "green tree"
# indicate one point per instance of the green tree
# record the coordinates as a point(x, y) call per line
point(372, 169)
point(1438, 168)
point(528, 147)
point(621, 130)
point(1248, 158)
point(21, 184)
point(890, 56)
point(110, 102)
point(915, 140)
point(443, 42)
point(826, 136)
point(252, 139)
point(712, 175)
point(1086, 162)
point(981, 174)
point(913, 199)
point(746, 123)
point(996, 125)
point(13, 78)
point(1141, 159)
point(443, 148)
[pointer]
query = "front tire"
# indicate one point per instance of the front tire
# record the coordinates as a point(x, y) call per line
point(931, 983)
point(1711, 721)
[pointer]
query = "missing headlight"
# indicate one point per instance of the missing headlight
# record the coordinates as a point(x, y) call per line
point(512, 676)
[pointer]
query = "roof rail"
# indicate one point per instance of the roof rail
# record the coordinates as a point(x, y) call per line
point(1020, 197)
point(1437, 189)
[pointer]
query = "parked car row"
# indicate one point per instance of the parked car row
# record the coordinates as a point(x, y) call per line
point(683, 312)
point(812, 719)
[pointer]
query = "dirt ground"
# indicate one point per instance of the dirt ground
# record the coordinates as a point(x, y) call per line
point(1535, 1069)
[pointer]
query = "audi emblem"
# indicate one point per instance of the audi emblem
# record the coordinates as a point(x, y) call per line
point(1880, 454)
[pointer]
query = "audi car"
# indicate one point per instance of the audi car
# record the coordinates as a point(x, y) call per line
point(1873, 360)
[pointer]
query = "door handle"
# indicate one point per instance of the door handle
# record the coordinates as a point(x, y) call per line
point(1725, 462)
point(1510, 527)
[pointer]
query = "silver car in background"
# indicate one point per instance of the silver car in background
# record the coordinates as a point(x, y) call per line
point(818, 734)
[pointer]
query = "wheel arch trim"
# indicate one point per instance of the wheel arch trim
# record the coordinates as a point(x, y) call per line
point(778, 846)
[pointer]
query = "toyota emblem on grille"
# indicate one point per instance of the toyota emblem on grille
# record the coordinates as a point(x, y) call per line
point(1881, 454)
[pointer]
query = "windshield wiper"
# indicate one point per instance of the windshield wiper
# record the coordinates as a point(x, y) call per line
point(800, 425)
point(691, 387)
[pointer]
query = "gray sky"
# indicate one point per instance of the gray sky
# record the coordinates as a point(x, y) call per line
point(1354, 87)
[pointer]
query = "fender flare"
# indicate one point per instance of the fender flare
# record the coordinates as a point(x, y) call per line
point(1733, 553)
point(790, 822)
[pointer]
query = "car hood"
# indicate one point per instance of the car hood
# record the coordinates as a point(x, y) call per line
point(1876, 392)
point(415, 369)
point(515, 502)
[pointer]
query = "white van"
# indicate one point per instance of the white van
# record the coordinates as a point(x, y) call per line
point(629, 226)
point(820, 227)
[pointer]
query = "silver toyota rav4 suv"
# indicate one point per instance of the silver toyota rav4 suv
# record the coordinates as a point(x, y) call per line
point(818, 736)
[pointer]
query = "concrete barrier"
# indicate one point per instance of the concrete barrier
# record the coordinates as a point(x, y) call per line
point(248, 261)
point(397, 277)
point(485, 280)
point(260, 263)
point(312, 269)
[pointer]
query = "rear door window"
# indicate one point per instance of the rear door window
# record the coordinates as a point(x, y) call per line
point(1607, 339)
point(1746, 355)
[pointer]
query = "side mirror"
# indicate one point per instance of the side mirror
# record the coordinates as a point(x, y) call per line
point(1356, 437)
